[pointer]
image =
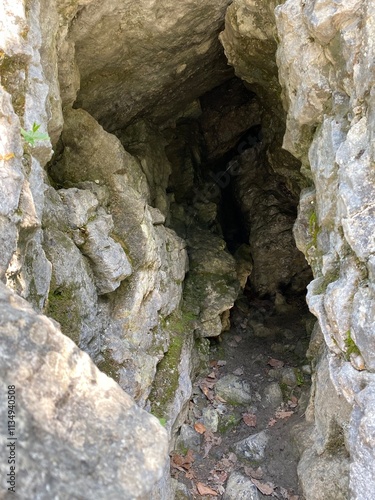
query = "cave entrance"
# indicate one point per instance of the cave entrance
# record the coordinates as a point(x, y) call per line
point(257, 384)
point(232, 180)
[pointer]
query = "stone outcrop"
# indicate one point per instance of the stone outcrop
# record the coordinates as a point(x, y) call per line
point(78, 434)
point(323, 54)
point(184, 37)
point(120, 238)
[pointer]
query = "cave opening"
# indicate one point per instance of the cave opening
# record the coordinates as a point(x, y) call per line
point(225, 182)
point(237, 196)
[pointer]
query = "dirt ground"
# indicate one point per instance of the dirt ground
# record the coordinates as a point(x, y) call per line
point(264, 397)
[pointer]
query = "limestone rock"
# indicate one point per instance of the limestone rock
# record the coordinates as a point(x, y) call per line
point(244, 264)
point(234, 390)
point(72, 299)
point(104, 446)
point(109, 262)
point(188, 439)
point(267, 208)
point(92, 228)
point(273, 394)
point(253, 447)
point(324, 477)
point(211, 286)
point(181, 491)
point(228, 112)
point(240, 487)
point(210, 418)
point(157, 255)
point(135, 80)
point(362, 444)
point(80, 205)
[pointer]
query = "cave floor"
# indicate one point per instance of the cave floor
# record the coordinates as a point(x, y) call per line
point(254, 390)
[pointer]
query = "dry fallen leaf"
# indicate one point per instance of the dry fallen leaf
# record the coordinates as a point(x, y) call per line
point(265, 488)
point(271, 422)
point(207, 392)
point(275, 363)
point(284, 414)
point(181, 462)
point(200, 428)
point(238, 372)
point(254, 473)
point(212, 375)
point(222, 476)
point(220, 399)
point(293, 402)
point(250, 419)
point(190, 474)
point(205, 490)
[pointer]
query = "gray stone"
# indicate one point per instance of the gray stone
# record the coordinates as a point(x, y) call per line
point(253, 447)
point(363, 324)
point(273, 394)
point(72, 299)
point(233, 389)
point(244, 264)
point(80, 205)
point(104, 446)
point(8, 242)
point(324, 477)
point(188, 439)
point(240, 487)
point(288, 377)
point(210, 418)
point(109, 262)
point(211, 286)
point(144, 84)
point(362, 445)
point(180, 491)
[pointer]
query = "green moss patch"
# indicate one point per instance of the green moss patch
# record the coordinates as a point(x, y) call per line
point(351, 346)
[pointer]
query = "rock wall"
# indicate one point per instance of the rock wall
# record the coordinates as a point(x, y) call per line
point(118, 237)
point(327, 81)
point(324, 54)
point(323, 58)
point(84, 237)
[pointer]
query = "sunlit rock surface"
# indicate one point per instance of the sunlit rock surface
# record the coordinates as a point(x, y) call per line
point(78, 434)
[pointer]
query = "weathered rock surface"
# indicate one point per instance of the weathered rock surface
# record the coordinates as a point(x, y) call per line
point(268, 211)
point(252, 448)
point(211, 286)
point(327, 92)
point(121, 191)
point(234, 390)
point(184, 35)
point(78, 434)
point(240, 487)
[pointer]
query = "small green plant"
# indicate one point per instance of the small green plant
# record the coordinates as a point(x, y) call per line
point(351, 347)
point(31, 136)
point(163, 421)
point(299, 376)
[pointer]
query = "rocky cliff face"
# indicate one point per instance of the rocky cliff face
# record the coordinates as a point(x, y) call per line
point(118, 226)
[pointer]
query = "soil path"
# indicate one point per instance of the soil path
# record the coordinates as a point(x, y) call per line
point(237, 442)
